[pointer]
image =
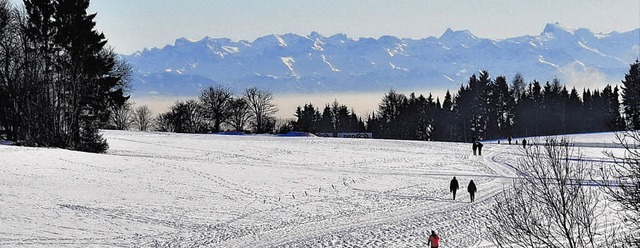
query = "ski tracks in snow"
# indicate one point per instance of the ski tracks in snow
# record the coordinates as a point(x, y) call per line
point(202, 190)
point(402, 219)
point(410, 225)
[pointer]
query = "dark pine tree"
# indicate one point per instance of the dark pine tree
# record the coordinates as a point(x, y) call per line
point(426, 112)
point(374, 126)
point(344, 122)
point(552, 110)
point(76, 80)
point(518, 87)
point(574, 112)
point(598, 112)
point(326, 121)
point(308, 119)
point(631, 96)
point(587, 111)
point(443, 121)
point(463, 115)
point(537, 122)
point(500, 108)
point(564, 104)
point(472, 107)
point(612, 118)
point(390, 115)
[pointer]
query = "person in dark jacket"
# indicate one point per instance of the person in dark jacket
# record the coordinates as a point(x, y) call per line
point(474, 147)
point(453, 187)
point(479, 145)
point(433, 240)
point(524, 143)
point(472, 190)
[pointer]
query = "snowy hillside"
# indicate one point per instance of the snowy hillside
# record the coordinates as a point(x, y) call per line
point(315, 63)
point(247, 191)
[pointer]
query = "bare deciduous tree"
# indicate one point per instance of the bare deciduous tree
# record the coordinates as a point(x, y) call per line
point(163, 122)
point(550, 205)
point(240, 114)
point(623, 182)
point(262, 108)
point(184, 117)
point(12, 60)
point(122, 116)
point(142, 117)
point(283, 126)
point(215, 103)
point(195, 119)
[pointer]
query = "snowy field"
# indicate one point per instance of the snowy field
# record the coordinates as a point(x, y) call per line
point(187, 190)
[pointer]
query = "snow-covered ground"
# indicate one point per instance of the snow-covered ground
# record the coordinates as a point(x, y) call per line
point(244, 191)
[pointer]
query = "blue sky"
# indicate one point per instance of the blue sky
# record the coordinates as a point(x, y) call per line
point(132, 25)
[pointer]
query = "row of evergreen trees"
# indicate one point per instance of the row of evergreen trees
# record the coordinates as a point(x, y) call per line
point(334, 118)
point(487, 108)
point(58, 79)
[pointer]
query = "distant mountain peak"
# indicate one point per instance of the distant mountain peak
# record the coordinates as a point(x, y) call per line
point(450, 34)
point(315, 35)
point(556, 28)
point(183, 41)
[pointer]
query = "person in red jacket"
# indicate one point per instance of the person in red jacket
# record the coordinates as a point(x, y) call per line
point(433, 240)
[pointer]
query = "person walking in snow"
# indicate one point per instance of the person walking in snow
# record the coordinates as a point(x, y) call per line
point(472, 190)
point(433, 240)
point(453, 187)
point(509, 139)
point(474, 147)
point(524, 143)
point(479, 145)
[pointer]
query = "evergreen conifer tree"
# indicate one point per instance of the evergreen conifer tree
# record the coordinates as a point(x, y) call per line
point(613, 120)
point(74, 79)
point(308, 118)
point(326, 121)
point(631, 96)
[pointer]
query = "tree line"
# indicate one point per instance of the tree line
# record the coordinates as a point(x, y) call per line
point(487, 108)
point(484, 108)
point(59, 81)
point(217, 109)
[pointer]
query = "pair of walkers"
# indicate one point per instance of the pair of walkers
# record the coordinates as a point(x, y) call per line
point(477, 146)
point(471, 188)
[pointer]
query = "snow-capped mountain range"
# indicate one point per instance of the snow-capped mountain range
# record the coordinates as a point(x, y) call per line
point(315, 63)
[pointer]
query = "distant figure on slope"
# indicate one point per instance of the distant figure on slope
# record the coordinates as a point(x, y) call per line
point(453, 187)
point(474, 147)
point(472, 190)
point(524, 143)
point(479, 145)
point(433, 240)
point(509, 139)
